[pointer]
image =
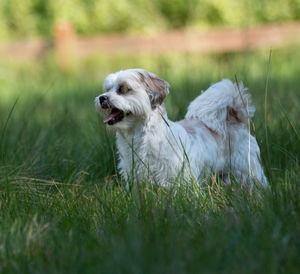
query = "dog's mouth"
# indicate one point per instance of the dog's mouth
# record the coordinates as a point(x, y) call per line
point(115, 116)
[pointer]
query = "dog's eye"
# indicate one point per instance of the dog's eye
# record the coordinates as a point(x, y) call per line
point(123, 89)
point(120, 89)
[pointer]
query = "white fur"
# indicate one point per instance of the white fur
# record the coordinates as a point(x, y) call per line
point(213, 137)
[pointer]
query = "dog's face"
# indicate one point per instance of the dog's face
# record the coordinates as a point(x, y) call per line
point(130, 96)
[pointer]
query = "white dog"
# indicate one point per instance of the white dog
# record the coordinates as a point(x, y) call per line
point(213, 137)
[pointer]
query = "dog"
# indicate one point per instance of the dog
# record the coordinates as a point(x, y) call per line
point(213, 138)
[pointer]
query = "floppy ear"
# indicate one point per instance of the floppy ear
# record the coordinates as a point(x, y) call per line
point(156, 88)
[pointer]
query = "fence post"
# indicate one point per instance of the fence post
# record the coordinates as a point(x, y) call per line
point(65, 44)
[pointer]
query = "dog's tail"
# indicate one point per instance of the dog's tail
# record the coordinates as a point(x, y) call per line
point(222, 105)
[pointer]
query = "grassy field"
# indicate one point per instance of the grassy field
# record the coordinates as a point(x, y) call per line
point(63, 208)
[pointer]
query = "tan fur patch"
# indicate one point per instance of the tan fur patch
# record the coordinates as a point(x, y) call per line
point(188, 126)
point(123, 88)
point(191, 125)
point(232, 116)
point(213, 133)
point(156, 88)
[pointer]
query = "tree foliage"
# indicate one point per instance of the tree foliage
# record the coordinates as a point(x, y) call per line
point(23, 18)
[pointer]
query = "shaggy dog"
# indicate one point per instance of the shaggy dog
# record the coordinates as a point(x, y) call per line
point(213, 137)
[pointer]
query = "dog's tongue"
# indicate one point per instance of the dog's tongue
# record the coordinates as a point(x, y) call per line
point(111, 116)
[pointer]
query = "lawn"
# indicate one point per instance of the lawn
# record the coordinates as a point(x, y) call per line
point(64, 209)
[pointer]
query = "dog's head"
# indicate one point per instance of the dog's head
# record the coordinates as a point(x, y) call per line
point(129, 96)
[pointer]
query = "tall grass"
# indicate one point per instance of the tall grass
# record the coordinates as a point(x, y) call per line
point(63, 208)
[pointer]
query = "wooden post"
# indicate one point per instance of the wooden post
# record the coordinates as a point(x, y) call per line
point(65, 44)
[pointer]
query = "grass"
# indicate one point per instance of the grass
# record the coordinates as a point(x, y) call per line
point(63, 207)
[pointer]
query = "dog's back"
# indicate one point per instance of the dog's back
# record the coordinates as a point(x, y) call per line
point(226, 109)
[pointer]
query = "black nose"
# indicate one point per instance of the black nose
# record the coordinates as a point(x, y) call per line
point(104, 101)
point(103, 98)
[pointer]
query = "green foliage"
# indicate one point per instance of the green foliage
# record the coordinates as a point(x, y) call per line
point(177, 13)
point(64, 209)
point(19, 18)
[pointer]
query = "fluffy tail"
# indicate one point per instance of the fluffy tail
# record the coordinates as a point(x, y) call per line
point(223, 104)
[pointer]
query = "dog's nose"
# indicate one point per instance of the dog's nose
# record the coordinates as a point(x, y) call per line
point(104, 101)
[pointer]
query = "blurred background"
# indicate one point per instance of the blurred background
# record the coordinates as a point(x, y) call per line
point(33, 29)
point(54, 56)
point(36, 18)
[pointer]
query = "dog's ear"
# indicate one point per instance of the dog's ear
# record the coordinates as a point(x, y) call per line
point(156, 87)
